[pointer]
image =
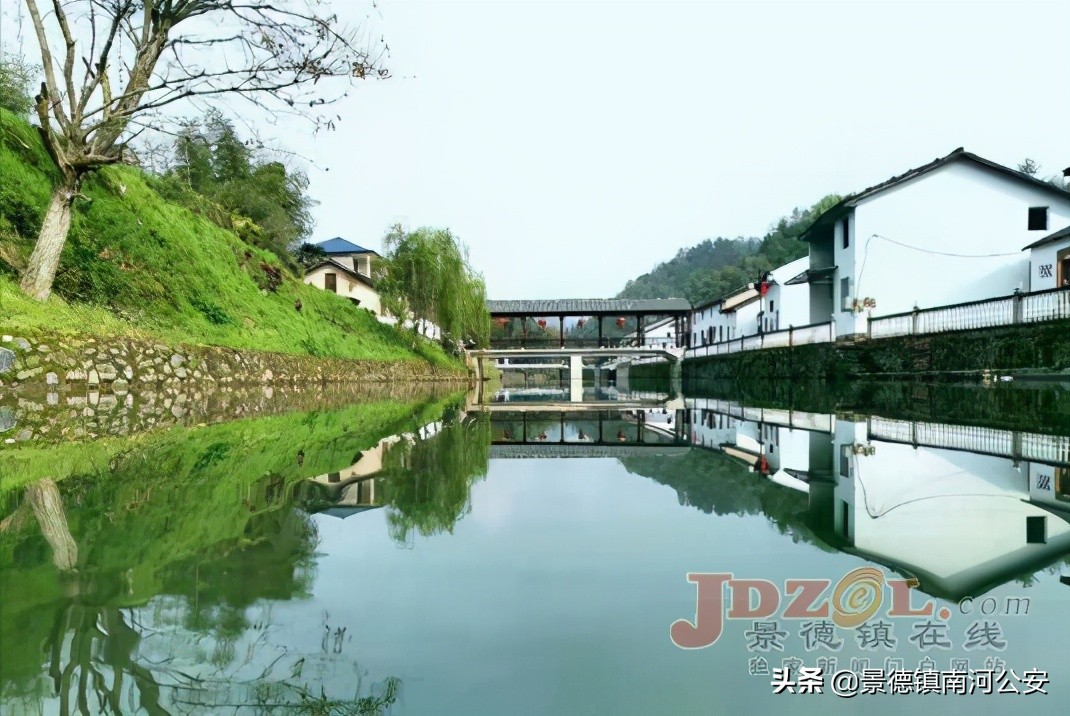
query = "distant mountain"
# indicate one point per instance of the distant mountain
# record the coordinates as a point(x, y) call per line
point(668, 279)
point(716, 267)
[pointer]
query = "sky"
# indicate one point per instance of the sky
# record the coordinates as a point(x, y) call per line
point(573, 145)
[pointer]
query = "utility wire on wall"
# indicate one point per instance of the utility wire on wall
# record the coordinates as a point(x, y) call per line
point(865, 255)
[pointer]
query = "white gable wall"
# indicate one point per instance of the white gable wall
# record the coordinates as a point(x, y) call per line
point(960, 208)
point(790, 304)
point(723, 324)
point(1044, 264)
point(747, 319)
point(348, 287)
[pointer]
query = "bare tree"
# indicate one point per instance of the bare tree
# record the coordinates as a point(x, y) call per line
point(1028, 166)
point(112, 67)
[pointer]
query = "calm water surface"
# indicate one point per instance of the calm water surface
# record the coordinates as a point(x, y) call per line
point(527, 559)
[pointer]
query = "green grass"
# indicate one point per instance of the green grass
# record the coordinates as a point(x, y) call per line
point(137, 265)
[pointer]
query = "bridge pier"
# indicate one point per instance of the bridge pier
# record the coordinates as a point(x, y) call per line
point(623, 374)
point(575, 378)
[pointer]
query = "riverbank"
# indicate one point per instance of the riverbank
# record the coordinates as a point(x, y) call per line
point(1037, 349)
point(1016, 405)
point(138, 267)
point(43, 364)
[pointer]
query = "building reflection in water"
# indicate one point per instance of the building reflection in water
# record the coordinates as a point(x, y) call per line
point(961, 508)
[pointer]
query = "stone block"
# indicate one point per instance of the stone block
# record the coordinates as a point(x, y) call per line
point(7, 360)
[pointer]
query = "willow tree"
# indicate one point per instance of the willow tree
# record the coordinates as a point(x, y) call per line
point(427, 277)
point(113, 68)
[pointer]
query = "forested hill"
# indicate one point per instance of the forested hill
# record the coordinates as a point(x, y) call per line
point(715, 267)
point(668, 279)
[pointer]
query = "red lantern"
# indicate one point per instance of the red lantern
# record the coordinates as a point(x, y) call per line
point(763, 465)
point(542, 323)
point(620, 323)
point(763, 288)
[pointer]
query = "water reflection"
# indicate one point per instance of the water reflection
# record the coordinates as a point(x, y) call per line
point(236, 568)
point(148, 583)
point(961, 508)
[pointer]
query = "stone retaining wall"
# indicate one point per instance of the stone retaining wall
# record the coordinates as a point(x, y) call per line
point(1038, 348)
point(121, 365)
point(56, 388)
point(91, 414)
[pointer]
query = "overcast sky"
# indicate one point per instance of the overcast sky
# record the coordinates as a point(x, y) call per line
point(574, 144)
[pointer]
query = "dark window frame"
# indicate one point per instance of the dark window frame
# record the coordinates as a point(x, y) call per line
point(845, 230)
point(1036, 529)
point(1038, 218)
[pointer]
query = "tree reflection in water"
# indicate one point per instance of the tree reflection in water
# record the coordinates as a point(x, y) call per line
point(147, 585)
point(428, 481)
point(200, 641)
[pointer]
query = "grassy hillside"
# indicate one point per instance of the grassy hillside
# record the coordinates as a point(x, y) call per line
point(135, 264)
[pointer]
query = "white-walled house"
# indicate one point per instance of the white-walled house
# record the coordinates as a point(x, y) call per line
point(661, 334)
point(710, 325)
point(347, 271)
point(748, 311)
point(947, 232)
point(959, 521)
point(1049, 261)
point(785, 305)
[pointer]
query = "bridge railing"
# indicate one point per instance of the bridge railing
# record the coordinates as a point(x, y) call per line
point(544, 343)
point(792, 336)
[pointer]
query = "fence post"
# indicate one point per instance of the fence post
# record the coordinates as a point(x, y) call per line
point(1018, 305)
point(791, 336)
point(914, 322)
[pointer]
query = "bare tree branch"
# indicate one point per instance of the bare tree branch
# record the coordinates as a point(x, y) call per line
point(140, 57)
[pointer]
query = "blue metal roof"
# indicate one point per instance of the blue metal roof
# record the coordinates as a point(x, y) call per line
point(338, 245)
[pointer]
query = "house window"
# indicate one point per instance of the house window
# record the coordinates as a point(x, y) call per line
point(1036, 530)
point(1038, 218)
point(845, 292)
point(845, 461)
point(772, 306)
point(846, 231)
point(330, 282)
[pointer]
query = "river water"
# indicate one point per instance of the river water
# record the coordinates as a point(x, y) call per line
point(528, 556)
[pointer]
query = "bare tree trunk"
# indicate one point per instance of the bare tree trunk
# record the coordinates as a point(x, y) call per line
point(47, 505)
point(41, 270)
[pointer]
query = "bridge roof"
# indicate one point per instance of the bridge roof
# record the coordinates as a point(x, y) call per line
point(589, 306)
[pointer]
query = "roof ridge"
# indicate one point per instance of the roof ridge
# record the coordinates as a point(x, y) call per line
point(958, 153)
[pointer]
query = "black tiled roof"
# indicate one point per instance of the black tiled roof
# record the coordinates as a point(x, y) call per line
point(960, 154)
point(589, 306)
point(1050, 239)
